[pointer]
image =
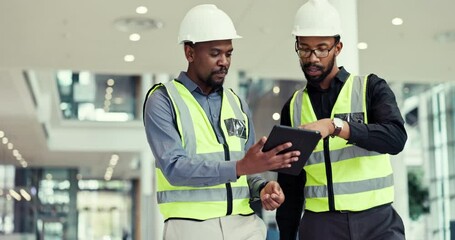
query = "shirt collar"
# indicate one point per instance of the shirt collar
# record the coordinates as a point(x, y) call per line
point(190, 85)
point(186, 81)
point(341, 77)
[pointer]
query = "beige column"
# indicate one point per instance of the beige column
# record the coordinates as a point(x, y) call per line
point(349, 57)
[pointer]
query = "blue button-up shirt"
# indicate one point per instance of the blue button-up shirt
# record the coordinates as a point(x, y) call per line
point(166, 145)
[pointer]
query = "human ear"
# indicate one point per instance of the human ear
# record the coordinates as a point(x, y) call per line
point(189, 53)
point(338, 48)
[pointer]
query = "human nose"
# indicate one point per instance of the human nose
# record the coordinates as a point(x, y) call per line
point(224, 60)
point(313, 57)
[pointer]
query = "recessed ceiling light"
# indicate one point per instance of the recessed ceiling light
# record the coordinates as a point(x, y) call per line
point(24, 164)
point(362, 45)
point(109, 90)
point(276, 90)
point(276, 116)
point(135, 37)
point(397, 21)
point(129, 58)
point(115, 156)
point(113, 161)
point(141, 10)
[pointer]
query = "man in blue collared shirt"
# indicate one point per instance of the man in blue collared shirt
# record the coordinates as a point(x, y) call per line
point(192, 185)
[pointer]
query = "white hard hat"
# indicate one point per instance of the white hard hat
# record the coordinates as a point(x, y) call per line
point(206, 23)
point(317, 18)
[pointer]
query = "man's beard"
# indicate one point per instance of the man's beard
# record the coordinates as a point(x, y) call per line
point(216, 83)
point(316, 80)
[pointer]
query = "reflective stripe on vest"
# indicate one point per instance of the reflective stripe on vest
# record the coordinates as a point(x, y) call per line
point(200, 141)
point(362, 179)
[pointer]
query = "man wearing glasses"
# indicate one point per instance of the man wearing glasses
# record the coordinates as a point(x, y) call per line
point(346, 187)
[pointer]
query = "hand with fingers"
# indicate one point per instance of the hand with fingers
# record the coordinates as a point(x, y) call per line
point(257, 161)
point(272, 196)
point(324, 126)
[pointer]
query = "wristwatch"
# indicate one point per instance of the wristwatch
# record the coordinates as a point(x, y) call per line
point(338, 125)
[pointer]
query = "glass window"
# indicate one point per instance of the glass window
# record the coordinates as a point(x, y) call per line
point(87, 96)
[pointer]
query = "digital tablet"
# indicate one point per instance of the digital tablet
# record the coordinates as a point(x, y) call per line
point(302, 139)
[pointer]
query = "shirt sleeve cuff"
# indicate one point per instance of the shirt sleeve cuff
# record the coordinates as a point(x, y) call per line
point(228, 171)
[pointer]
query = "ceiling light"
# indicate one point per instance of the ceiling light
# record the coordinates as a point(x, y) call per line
point(115, 157)
point(109, 170)
point(113, 161)
point(15, 195)
point(135, 37)
point(129, 58)
point(110, 82)
point(24, 164)
point(397, 21)
point(276, 116)
point(25, 195)
point(141, 10)
point(362, 45)
point(276, 90)
point(109, 90)
point(2, 134)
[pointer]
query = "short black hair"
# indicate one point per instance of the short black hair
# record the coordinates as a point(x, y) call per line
point(190, 44)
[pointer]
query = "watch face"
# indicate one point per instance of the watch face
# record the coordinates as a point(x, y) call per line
point(338, 122)
point(338, 125)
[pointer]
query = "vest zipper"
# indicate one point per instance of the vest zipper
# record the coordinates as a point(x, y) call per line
point(228, 185)
point(227, 157)
point(328, 173)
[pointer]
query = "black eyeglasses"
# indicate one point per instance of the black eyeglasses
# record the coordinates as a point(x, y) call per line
point(320, 53)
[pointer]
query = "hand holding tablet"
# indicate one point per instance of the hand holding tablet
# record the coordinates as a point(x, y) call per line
point(302, 140)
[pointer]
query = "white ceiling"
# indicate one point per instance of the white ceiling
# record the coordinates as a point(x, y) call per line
point(47, 35)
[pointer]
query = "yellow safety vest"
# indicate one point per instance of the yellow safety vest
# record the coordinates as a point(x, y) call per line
point(362, 179)
point(200, 141)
